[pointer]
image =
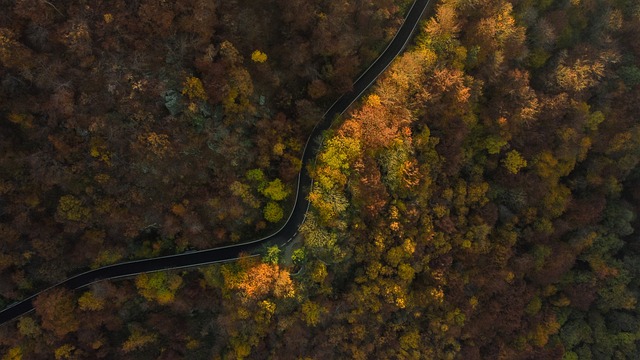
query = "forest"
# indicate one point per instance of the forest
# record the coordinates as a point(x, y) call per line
point(479, 202)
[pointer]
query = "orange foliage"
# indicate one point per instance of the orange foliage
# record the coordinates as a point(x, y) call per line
point(263, 279)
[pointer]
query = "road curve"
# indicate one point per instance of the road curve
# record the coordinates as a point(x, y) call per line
point(298, 214)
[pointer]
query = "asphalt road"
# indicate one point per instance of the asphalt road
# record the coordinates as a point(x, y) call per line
point(297, 216)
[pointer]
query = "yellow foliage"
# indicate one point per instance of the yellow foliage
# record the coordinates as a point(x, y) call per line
point(275, 190)
point(15, 353)
point(373, 100)
point(138, 340)
point(193, 89)
point(28, 327)
point(157, 143)
point(99, 151)
point(514, 162)
point(278, 149)
point(193, 344)
point(89, 302)
point(273, 212)
point(25, 120)
point(283, 287)
point(158, 286)
point(311, 313)
point(319, 272)
point(70, 208)
point(64, 352)
point(258, 56)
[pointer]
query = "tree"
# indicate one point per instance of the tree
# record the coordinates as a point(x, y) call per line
point(159, 286)
point(258, 56)
point(70, 208)
point(89, 302)
point(193, 89)
point(275, 190)
point(138, 339)
point(514, 162)
point(57, 311)
point(272, 255)
point(311, 313)
point(273, 212)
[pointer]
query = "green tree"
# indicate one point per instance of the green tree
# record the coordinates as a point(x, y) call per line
point(273, 212)
point(514, 162)
point(275, 190)
point(272, 255)
point(159, 286)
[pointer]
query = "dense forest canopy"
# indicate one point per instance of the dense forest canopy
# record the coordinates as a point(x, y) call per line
point(479, 203)
point(132, 129)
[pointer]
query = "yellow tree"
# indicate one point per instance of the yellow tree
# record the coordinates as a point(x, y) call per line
point(159, 286)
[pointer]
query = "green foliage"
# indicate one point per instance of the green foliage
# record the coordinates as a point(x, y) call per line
point(574, 332)
point(494, 144)
point(318, 271)
point(538, 58)
point(298, 256)
point(595, 119)
point(89, 302)
point(339, 152)
point(311, 313)
point(514, 162)
point(70, 208)
point(272, 255)
point(275, 190)
point(159, 286)
point(570, 355)
point(630, 75)
point(273, 212)
point(534, 306)
point(138, 339)
point(256, 176)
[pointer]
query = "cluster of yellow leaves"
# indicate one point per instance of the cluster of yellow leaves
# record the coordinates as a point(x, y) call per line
point(25, 120)
point(159, 286)
point(138, 340)
point(99, 151)
point(273, 212)
point(193, 89)
point(579, 76)
point(65, 351)
point(244, 192)
point(79, 33)
point(89, 302)
point(258, 56)
point(514, 162)
point(157, 143)
point(70, 208)
point(15, 353)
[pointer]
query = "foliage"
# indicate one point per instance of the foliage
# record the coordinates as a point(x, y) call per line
point(70, 208)
point(273, 212)
point(514, 162)
point(258, 56)
point(272, 255)
point(158, 286)
point(480, 202)
point(275, 190)
point(193, 89)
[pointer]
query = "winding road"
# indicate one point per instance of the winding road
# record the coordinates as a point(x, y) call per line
point(298, 214)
